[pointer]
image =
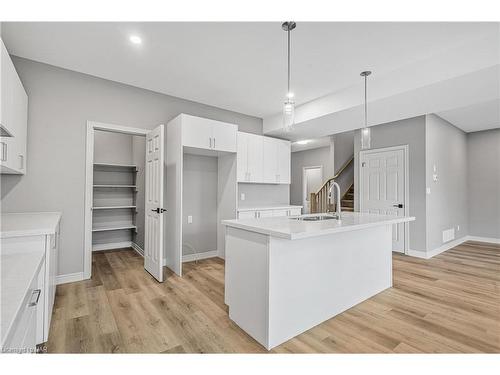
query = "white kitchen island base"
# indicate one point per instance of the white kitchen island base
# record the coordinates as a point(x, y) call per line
point(277, 288)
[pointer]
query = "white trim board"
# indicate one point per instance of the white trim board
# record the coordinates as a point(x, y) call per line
point(137, 248)
point(69, 278)
point(450, 245)
point(199, 256)
point(111, 246)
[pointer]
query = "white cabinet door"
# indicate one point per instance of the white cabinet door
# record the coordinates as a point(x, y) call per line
point(255, 158)
point(196, 132)
point(224, 136)
point(270, 160)
point(295, 212)
point(283, 161)
point(242, 157)
point(13, 117)
point(264, 213)
point(280, 213)
point(246, 215)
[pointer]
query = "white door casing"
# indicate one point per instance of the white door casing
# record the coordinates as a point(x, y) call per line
point(153, 228)
point(383, 187)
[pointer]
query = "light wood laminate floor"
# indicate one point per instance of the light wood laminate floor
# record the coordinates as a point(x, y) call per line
point(450, 303)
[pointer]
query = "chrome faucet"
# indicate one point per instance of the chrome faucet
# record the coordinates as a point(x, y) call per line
point(337, 205)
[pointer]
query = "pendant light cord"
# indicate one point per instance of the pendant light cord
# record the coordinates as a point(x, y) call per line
point(288, 33)
point(366, 106)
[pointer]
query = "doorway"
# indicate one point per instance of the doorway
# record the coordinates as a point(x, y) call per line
point(383, 188)
point(112, 201)
point(312, 179)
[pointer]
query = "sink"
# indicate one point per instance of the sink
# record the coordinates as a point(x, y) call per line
point(315, 217)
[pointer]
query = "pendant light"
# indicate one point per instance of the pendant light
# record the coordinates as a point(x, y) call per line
point(289, 105)
point(365, 131)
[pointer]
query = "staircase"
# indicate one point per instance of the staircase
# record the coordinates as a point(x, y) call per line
point(319, 201)
point(347, 201)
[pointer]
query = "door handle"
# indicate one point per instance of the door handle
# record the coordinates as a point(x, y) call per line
point(159, 210)
point(398, 205)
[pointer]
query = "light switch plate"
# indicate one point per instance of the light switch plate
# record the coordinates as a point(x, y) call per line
point(428, 191)
point(242, 196)
point(190, 219)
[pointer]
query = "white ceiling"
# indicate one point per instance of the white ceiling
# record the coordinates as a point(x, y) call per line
point(476, 117)
point(237, 66)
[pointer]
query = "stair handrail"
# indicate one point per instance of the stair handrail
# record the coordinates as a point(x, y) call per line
point(346, 164)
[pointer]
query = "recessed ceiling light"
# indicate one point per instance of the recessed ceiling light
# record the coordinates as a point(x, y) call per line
point(135, 39)
point(304, 142)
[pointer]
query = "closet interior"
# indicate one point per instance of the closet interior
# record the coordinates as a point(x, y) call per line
point(118, 191)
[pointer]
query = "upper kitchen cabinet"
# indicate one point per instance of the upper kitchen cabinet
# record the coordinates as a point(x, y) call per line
point(13, 117)
point(250, 158)
point(263, 160)
point(202, 133)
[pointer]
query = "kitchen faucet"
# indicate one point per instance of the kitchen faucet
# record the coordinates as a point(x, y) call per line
point(337, 205)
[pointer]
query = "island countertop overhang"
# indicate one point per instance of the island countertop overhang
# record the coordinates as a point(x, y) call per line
point(292, 229)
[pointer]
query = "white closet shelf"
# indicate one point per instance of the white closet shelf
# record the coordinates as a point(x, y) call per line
point(112, 226)
point(112, 207)
point(114, 186)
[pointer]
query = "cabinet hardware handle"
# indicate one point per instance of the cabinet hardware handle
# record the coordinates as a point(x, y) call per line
point(214, 142)
point(210, 142)
point(4, 151)
point(37, 292)
point(22, 161)
point(398, 205)
point(159, 210)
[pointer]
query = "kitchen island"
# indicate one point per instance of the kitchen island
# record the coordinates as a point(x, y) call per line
point(285, 275)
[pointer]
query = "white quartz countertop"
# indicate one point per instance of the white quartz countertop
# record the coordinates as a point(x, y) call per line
point(28, 224)
point(18, 269)
point(263, 208)
point(286, 227)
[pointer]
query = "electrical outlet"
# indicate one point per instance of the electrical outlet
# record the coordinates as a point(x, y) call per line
point(458, 228)
point(190, 219)
point(428, 190)
point(242, 197)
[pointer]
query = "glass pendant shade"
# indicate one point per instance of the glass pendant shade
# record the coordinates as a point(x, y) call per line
point(288, 115)
point(365, 138)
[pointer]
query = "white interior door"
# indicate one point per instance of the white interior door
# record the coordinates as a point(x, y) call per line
point(382, 188)
point(153, 228)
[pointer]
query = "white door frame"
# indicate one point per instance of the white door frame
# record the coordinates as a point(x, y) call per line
point(304, 182)
point(404, 148)
point(92, 126)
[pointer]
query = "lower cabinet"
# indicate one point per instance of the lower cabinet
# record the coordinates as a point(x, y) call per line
point(256, 214)
point(24, 331)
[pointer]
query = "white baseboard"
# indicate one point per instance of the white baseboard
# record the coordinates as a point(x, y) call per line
point(449, 245)
point(69, 278)
point(111, 246)
point(198, 256)
point(484, 239)
point(138, 249)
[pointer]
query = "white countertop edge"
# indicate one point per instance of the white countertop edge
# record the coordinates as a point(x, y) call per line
point(44, 228)
point(264, 208)
point(320, 232)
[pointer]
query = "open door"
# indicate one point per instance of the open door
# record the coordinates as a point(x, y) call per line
point(153, 228)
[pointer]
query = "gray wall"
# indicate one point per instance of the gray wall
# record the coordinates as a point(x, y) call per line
point(115, 148)
point(60, 103)
point(263, 195)
point(446, 205)
point(200, 201)
point(411, 132)
point(483, 160)
point(307, 158)
point(139, 159)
